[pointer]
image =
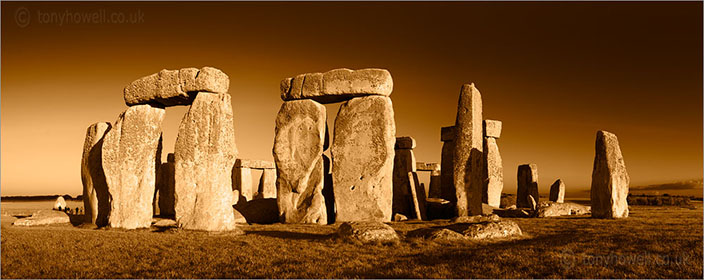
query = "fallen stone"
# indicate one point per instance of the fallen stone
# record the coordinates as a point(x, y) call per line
point(610, 180)
point(267, 184)
point(492, 230)
point(400, 218)
point(447, 133)
point(404, 162)
point(468, 163)
point(513, 213)
point(492, 128)
point(130, 152)
point(255, 164)
point(60, 203)
point(557, 191)
point(477, 219)
point(44, 217)
point(405, 142)
point(368, 232)
point(175, 87)
point(555, 209)
point(242, 182)
point(337, 85)
point(165, 223)
point(363, 156)
point(96, 201)
point(298, 150)
point(437, 234)
point(204, 153)
point(493, 173)
point(527, 184)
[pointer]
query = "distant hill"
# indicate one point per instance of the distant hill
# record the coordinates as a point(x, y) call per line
point(689, 187)
point(39, 197)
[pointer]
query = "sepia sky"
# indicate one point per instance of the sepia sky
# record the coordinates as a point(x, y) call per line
point(554, 73)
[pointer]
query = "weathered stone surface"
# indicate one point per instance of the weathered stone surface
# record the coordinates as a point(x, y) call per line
point(328, 192)
point(242, 182)
point(166, 185)
point(368, 232)
point(417, 196)
point(298, 150)
point(205, 153)
point(400, 217)
point(447, 133)
point(175, 87)
point(130, 152)
point(555, 209)
point(468, 153)
point(428, 166)
point(492, 128)
point(337, 85)
point(447, 183)
point(267, 184)
point(492, 230)
point(43, 217)
point(255, 164)
point(60, 203)
point(527, 185)
point(165, 223)
point(557, 191)
point(493, 173)
point(437, 234)
point(404, 162)
point(405, 142)
point(610, 179)
point(363, 154)
point(477, 219)
point(95, 190)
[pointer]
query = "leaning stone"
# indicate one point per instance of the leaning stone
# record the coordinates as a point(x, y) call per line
point(468, 154)
point(267, 184)
point(175, 87)
point(363, 157)
point(242, 182)
point(532, 204)
point(404, 162)
point(417, 196)
point(492, 128)
point(205, 152)
point(527, 185)
point(298, 150)
point(368, 232)
point(492, 230)
point(44, 217)
point(557, 191)
point(493, 173)
point(130, 152)
point(337, 85)
point(60, 203)
point(447, 133)
point(405, 142)
point(95, 190)
point(610, 179)
point(255, 164)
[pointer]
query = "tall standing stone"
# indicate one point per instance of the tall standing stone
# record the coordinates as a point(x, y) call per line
point(130, 150)
point(468, 153)
point(205, 152)
point(404, 162)
point(242, 181)
point(609, 179)
point(298, 150)
point(363, 156)
point(166, 186)
point(96, 201)
point(493, 165)
point(447, 181)
point(527, 185)
point(557, 191)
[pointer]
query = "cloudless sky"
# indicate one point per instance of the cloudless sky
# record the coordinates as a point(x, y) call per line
point(554, 73)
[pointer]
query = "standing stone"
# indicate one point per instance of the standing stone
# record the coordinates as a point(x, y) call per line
point(96, 201)
point(468, 153)
point(417, 196)
point(130, 152)
point(267, 184)
point(242, 181)
point(328, 192)
point(557, 191)
point(527, 184)
point(493, 173)
point(404, 162)
point(609, 179)
point(447, 190)
point(434, 190)
point(363, 156)
point(298, 150)
point(205, 152)
point(166, 186)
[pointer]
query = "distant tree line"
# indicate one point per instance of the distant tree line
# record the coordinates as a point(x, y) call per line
point(39, 197)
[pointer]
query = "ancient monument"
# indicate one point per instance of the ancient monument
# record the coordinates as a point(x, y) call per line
point(527, 185)
point(447, 181)
point(242, 179)
point(493, 165)
point(95, 190)
point(557, 191)
point(468, 157)
point(609, 179)
point(164, 199)
point(404, 162)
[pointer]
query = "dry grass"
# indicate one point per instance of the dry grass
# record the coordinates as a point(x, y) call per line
point(655, 242)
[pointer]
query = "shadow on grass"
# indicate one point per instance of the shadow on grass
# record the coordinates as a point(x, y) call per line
point(292, 235)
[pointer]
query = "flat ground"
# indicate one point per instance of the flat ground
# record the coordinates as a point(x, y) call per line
point(654, 242)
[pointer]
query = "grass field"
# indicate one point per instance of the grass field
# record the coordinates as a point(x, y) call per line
point(655, 242)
